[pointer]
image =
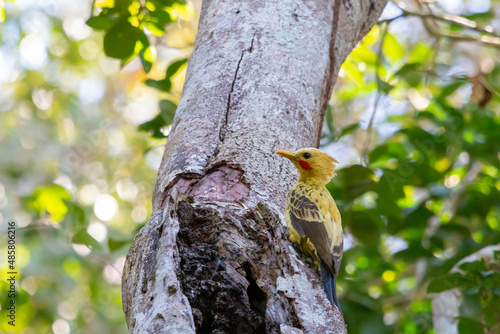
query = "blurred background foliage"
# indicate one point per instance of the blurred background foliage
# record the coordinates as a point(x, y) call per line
point(76, 174)
point(88, 91)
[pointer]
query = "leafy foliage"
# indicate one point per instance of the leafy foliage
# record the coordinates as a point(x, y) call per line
point(124, 23)
point(164, 119)
point(418, 190)
point(166, 84)
point(74, 174)
point(427, 193)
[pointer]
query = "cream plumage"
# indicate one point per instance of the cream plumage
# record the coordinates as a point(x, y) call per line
point(312, 215)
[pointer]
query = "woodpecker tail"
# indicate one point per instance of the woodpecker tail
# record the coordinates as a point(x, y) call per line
point(329, 285)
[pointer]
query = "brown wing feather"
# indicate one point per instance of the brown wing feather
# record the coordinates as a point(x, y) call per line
point(309, 221)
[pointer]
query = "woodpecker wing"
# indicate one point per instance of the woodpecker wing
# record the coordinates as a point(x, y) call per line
point(314, 215)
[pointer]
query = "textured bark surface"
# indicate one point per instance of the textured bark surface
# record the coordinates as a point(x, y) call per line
point(214, 257)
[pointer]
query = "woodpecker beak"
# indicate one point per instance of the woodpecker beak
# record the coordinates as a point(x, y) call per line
point(287, 154)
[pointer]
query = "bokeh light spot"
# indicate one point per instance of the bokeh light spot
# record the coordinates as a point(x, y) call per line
point(33, 52)
point(389, 276)
point(105, 207)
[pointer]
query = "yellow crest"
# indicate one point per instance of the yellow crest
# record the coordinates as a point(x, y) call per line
point(313, 165)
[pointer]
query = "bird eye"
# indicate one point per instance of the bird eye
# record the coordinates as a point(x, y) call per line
point(306, 155)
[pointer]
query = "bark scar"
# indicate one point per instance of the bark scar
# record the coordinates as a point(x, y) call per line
point(329, 79)
point(223, 129)
point(166, 191)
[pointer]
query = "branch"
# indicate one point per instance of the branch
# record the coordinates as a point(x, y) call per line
point(380, 22)
point(455, 20)
point(486, 40)
point(92, 7)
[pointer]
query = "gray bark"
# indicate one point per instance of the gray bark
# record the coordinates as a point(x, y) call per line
point(214, 257)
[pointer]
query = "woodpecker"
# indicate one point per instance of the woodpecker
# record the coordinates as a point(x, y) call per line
point(312, 215)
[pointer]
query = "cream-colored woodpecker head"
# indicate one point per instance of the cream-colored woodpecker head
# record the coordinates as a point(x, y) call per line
point(313, 165)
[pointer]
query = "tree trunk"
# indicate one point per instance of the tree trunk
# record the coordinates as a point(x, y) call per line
point(214, 257)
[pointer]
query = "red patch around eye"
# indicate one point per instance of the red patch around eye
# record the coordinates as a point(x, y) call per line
point(304, 164)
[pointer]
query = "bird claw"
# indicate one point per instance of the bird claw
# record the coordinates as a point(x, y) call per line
point(307, 248)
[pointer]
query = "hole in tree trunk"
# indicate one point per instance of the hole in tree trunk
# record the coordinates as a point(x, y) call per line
point(257, 299)
point(206, 326)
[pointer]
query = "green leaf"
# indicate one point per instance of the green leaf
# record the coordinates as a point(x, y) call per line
point(353, 73)
point(408, 67)
point(366, 226)
point(447, 282)
point(450, 89)
point(120, 40)
point(490, 318)
point(469, 326)
point(351, 91)
point(167, 111)
point(52, 200)
point(452, 228)
point(82, 237)
point(390, 184)
point(413, 223)
point(103, 21)
point(481, 16)
point(163, 85)
point(117, 239)
point(174, 67)
point(408, 72)
point(388, 207)
point(392, 48)
point(157, 20)
point(364, 54)
point(147, 53)
point(475, 266)
point(146, 65)
point(165, 118)
point(351, 182)
point(348, 129)
point(114, 245)
point(147, 56)
point(414, 252)
point(429, 116)
point(166, 84)
point(470, 305)
point(387, 151)
point(75, 217)
point(421, 53)
point(425, 142)
point(383, 87)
